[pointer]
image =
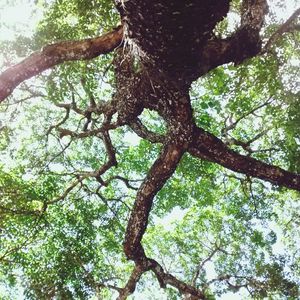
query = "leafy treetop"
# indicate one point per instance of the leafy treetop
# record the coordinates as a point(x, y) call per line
point(158, 155)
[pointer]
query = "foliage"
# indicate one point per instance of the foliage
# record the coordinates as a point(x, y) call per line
point(221, 231)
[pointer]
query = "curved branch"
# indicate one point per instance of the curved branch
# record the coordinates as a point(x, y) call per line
point(132, 282)
point(146, 264)
point(55, 54)
point(285, 27)
point(111, 162)
point(207, 146)
point(243, 44)
point(166, 278)
point(161, 171)
point(142, 131)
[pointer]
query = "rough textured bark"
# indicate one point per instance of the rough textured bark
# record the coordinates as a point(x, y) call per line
point(209, 147)
point(161, 170)
point(55, 54)
point(169, 30)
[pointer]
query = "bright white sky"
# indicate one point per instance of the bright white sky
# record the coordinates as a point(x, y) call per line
point(21, 17)
point(17, 18)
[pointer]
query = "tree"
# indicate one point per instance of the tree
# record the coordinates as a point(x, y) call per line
point(217, 120)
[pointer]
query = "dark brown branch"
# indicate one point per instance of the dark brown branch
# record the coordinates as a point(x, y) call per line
point(207, 146)
point(160, 172)
point(145, 264)
point(55, 54)
point(142, 131)
point(132, 282)
point(243, 44)
point(166, 278)
point(126, 181)
point(79, 135)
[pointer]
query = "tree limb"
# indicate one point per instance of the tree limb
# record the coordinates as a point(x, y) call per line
point(207, 146)
point(166, 278)
point(160, 172)
point(142, 131)
point(243, 44)
point(55, 54)
point(145, 264)
point(132, 282)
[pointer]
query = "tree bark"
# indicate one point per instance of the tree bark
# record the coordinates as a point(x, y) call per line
point(55, 54)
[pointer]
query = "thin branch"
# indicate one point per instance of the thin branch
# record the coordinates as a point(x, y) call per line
point(246, 145)
point(106, 202)
point(65, 118)
point(67, 191)
point(94, 132)
point(142, 131)
point(126, 181)
point(201, 265)
point(29, 238)
point(285, 27)
point(97, 174)
point(232, 125)
point(25, 212)
point(96, 285)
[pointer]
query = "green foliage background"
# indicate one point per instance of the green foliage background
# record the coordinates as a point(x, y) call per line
point(241, 229)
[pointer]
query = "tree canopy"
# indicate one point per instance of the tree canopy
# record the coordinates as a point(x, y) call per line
point(151, 150)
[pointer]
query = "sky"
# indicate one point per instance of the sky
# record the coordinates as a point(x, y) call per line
point(20, 17)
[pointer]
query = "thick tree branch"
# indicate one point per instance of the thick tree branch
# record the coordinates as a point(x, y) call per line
point(160, 172)
point(55, 54)
point(132, 282)
point(145, 264)
point(178, 43)
point(172, 33)
point(207, 146)
point(166, 278)
point(244, 43)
